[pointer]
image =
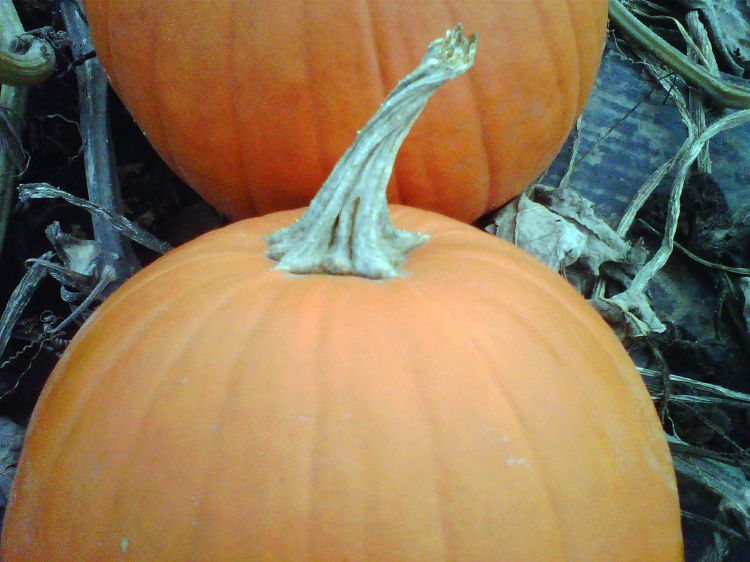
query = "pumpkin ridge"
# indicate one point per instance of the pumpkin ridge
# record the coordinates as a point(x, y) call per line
point(520, 270)
point(317, 435)
point(72, 423)
point(146, 405)
point(576, 312)
point(581, 99)
point(486, 141)
point(170, 136)
point(106, 30)
point(481, 364)
point(550, 53)
point(486, 144)
point(311, 89)
point(441, 477)
point(240, 148)
point(163, 131)
point(232, 374)
point(625, 378)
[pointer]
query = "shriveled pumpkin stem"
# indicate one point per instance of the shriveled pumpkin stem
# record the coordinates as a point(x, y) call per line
point(347, 229)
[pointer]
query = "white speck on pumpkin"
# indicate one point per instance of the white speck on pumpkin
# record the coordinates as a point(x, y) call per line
point(213, 426)
point(520, 461)
point(184, 380)
point(124, 544)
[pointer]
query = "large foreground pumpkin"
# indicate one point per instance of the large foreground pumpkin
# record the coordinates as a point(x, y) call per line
point(470, 406)
point(252, 103)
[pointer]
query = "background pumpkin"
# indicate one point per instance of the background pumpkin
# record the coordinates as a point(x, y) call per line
point(252, 103)
point(420, 418)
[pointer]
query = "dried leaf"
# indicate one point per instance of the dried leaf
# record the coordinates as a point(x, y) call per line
point(78, 255)
point(559, 227)
point(540, 232)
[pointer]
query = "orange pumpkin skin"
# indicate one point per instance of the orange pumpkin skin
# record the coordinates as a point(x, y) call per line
point(252, 103)
point(474, 409)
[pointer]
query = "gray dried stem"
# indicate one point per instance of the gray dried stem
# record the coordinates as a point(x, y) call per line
point(99, 213)
point(101, 176)
point(20, 299)
point(13, 107)
point(724, 94)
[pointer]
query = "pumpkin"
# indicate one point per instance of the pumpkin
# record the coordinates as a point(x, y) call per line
point(252, 103)
point(466, 404)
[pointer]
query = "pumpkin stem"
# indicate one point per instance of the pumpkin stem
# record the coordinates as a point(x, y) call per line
point(347, 229)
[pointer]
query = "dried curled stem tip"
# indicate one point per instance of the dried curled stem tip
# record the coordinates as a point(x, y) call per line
point(454, 50)
point(347, 230)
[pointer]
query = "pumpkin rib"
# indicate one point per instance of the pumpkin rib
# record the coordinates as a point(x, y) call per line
point(74, 422)
point(578, 54)
point(486, 141)
point(422, 403)
point(520, 320)
point(249, 205)
point(323, 429)
point(230, 381)
point(148, 401)
point(430, 195)
point(501, 156)
point(199, 256)
point(107, 32)
point(316, 435)
point(551, 61)
point(491, 173)
point(70, 423)
point(516, 415)
point(593, 14)
point(164, 130)
point(552, 51)
point(502, 393)
point(166, 151)
point(438, 490)
point(311, 89)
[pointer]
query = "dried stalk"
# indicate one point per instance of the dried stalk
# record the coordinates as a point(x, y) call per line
point(722, 93)
point(20, 299)
point(101, 176)
point(116, 222)
point(13, 106)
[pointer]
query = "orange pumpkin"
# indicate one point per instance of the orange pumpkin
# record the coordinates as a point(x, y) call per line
point(252, 103)
point(470, 406)
point(217, 409)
